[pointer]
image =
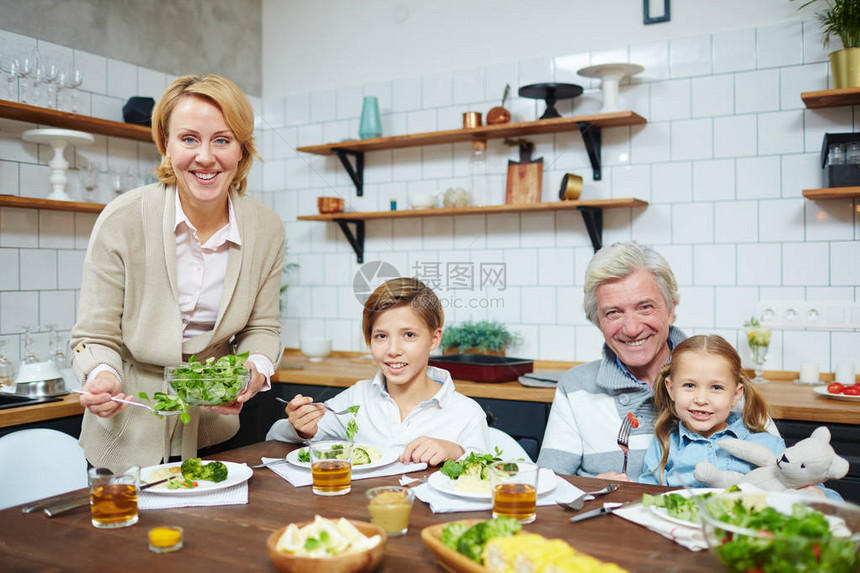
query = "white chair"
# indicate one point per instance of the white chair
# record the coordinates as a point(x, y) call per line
point(511, 449)
point(39, 463)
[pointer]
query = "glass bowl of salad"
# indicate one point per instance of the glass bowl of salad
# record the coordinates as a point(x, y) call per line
point(782, 531)
point(210, 383)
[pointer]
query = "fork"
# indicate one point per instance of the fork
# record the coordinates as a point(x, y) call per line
point(579, 502)
point(323, 404)
point(623, 439)
point(133, 403)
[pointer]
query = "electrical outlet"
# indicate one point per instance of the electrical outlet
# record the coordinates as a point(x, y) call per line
point(809, 315)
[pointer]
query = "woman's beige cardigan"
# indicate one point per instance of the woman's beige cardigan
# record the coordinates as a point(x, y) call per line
point(128, 318)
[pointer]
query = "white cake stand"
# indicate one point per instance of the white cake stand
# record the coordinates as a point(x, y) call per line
point(610, 76)
point(58, 139)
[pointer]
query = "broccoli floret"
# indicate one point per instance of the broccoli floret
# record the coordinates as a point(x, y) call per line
point(193, 468)
point(452, 532)
point(471, 543)
point(216, 472)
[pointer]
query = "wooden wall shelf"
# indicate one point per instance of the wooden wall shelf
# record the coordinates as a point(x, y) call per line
point(591, 209)
point(49, 204)
point(832, 193)
point(588, 125)
point(831, 98)
point(53, 118)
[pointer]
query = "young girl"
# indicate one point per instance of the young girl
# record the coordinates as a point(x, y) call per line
point(695, 396)
point(408, 404)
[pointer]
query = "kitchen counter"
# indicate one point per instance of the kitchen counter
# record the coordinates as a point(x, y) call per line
point(787, 400)
point(68, 406)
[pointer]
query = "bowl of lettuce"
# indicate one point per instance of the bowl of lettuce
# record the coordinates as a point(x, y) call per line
point(214, 382)
point(782, 531)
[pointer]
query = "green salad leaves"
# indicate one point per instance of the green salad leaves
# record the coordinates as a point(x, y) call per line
point(802, 541)
point(676, 505)
point(473, 464)
point(212, 383)
point(352, 425)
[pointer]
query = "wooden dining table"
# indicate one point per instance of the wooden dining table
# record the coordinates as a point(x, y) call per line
point(233, 538)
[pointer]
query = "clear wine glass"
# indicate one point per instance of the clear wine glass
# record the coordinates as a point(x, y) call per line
point(25, 62)
point(7, 370)
point(56, 349)
point(89, 177)
point(29, 356)
point(50, 74)
point(75, 79)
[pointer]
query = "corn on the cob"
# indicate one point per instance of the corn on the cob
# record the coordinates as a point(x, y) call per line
point(531, 553)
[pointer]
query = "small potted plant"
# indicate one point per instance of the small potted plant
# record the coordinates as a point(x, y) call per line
point(483, 337)
point(842, 18)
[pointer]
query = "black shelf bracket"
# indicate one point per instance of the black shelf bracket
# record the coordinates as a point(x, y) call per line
point(591, 138)
point(356, 241)
point(593, 219)
point(355, 173)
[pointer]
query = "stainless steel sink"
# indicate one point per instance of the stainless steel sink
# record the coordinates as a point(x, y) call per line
point(13, 401)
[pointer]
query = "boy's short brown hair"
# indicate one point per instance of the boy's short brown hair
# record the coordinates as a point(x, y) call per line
point(401, 292)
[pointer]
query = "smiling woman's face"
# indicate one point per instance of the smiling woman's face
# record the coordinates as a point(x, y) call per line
point(203, 151)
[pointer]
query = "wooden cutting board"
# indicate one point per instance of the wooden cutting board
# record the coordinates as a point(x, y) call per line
point(524, 178)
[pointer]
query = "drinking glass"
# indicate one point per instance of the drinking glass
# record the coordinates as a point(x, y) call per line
point(50, 75)
point(113, 497)
point(74, 81)
point(331, 467)
point(89, 176)
point(7, 370)
point(514, 488)
point(117, 181)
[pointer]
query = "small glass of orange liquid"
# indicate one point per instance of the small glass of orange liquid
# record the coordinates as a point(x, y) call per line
point(514, 487)
point(331, 467)
point(113, 497)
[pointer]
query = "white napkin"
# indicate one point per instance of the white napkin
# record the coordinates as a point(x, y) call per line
point(235, 495)
point(440, 502)
point(301, 477)
point(690, 537)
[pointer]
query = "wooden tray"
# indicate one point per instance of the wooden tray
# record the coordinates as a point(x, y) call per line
point(448, 558)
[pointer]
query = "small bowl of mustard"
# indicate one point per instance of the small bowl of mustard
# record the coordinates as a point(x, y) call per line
point(390, 507)
point(165, 538)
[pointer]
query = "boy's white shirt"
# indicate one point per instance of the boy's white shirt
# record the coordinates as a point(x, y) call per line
point(448, 415)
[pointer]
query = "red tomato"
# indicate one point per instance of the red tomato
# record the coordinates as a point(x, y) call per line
point(835, 388)
point(852, 391)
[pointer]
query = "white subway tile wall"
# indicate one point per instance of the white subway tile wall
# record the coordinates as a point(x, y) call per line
point(724, 157)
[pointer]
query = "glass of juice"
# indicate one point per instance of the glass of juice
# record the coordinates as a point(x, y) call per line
point(113, 496)
point(331, 466)
point(514, 487)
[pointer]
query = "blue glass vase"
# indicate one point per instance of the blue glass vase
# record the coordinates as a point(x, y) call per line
point(371, 125)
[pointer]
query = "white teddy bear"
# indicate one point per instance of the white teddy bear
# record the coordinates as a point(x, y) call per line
point(808, 462)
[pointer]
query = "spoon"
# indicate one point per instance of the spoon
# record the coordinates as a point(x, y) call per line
point(133, 403)
point(579, 502)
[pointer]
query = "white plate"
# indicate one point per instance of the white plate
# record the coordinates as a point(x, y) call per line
point(822, 390)
point(387, 456)
point(441, 482)
point(236, 474)
point(661, 511)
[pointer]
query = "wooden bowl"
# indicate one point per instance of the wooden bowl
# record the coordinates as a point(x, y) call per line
point(329, 204)
point(362, 562)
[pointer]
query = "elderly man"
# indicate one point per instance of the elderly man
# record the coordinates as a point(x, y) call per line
point(630, 294)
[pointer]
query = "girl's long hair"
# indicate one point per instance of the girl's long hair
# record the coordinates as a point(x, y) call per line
point(755, 412)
